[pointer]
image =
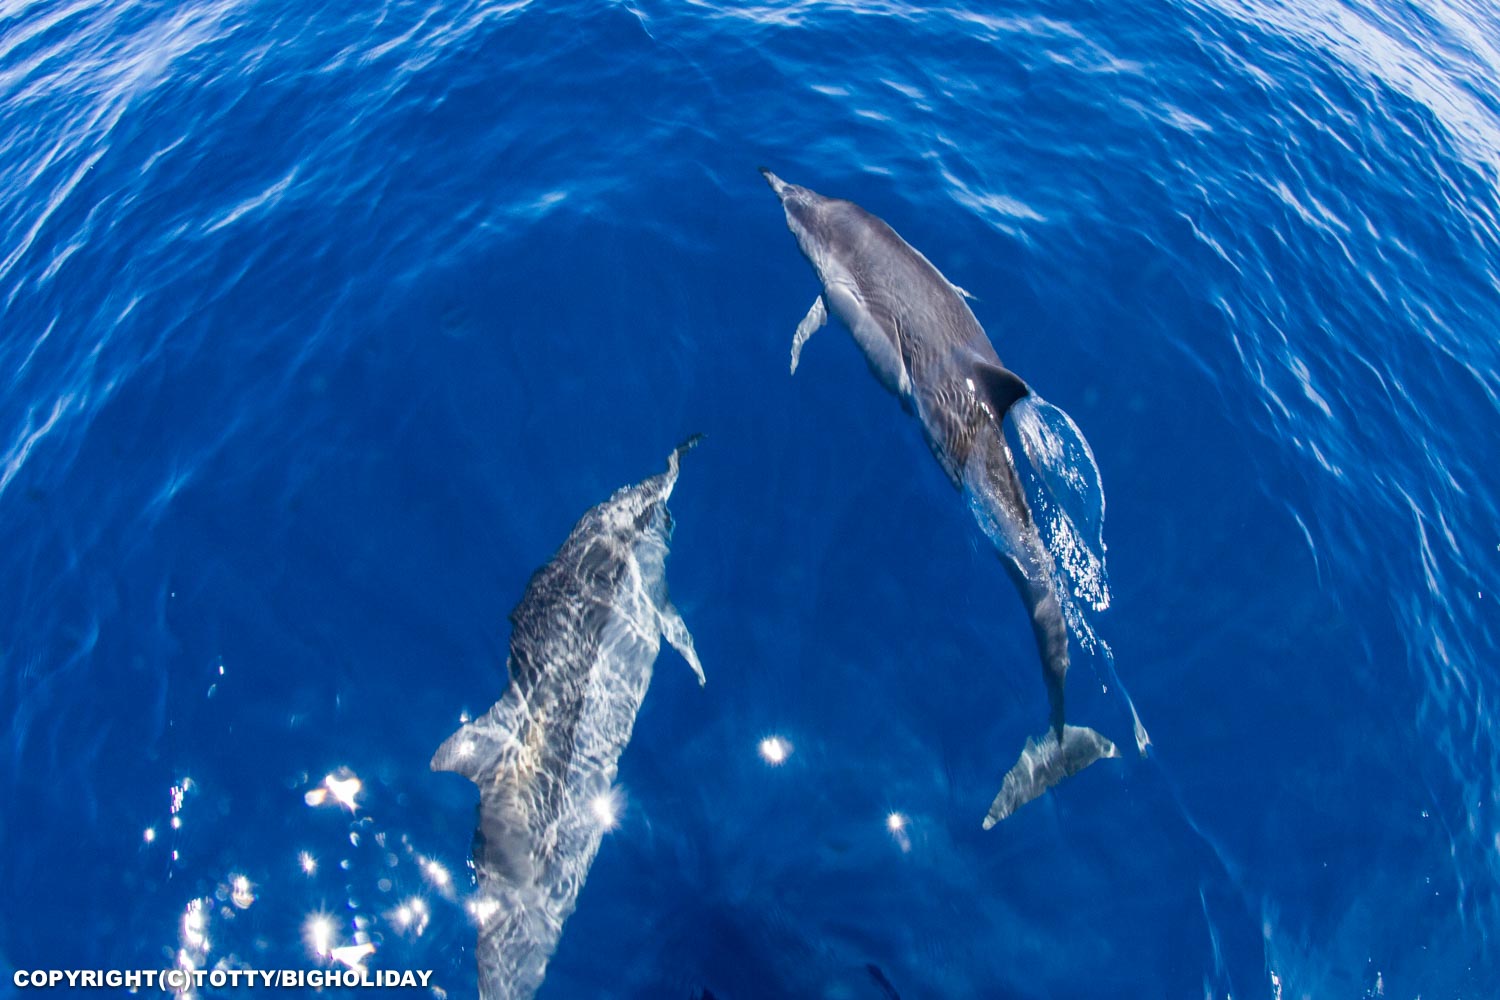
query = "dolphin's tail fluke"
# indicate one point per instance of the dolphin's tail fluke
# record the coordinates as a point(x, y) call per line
point(777, 184)
point(1046, 762)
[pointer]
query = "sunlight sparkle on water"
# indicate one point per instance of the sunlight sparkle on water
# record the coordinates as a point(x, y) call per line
point(436, 874)
point(195, 926)
point(606, 807)
point(483, 909)
point(150, 835)
point(352, 955)
point(308, 863)
point(179, 794)
point(896, 823)
point(410, 916)
point(317, 931)
point(774, 750)
point(341, 790)
point(242, 893)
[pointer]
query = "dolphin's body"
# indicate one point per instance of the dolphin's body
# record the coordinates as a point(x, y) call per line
point(583, 642)
point(923, 343)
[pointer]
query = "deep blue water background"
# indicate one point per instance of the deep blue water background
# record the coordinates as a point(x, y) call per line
point(321, 324)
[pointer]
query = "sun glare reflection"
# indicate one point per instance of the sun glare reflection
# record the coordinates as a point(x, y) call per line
point(437, 875)
point(317, 931)
point(897, 823)
point(483, 909)
point(774, 750)
point(195, 926)
point(334, 789)
point(606, 808)
point(410, 917)
point(353, 955)
point(241, 892)
point(179, 794)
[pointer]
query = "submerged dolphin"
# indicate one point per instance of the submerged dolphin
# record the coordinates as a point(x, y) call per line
point(583, 642)
point(923, 343)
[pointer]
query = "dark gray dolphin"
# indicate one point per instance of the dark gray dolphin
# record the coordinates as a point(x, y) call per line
point(923, 343)
point(583, 642)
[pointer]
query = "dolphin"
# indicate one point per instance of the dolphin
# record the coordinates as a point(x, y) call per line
point(583, 642)
point(922, 342)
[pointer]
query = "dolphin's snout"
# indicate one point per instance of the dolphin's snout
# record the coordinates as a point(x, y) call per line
point(777, 184)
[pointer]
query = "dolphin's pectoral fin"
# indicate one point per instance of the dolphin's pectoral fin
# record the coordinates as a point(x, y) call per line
point(1000, 387)
point(1045, 763)
point(815, 318)
point(676, 631)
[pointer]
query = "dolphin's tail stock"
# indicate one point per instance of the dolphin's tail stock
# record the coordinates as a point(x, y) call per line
point(1046, 762)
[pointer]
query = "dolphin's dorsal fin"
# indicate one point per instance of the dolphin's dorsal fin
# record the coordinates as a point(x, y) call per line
point(815, 318)
point(478, 751)
point(486, 755)
point(1000, 387)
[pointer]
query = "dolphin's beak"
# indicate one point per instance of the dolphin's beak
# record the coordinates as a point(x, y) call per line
point(777, 184)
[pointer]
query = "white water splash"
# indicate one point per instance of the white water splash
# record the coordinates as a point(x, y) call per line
point(1067, 503)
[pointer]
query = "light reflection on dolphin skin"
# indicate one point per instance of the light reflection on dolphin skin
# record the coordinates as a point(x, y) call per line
point(583, 642)
point(922, 342)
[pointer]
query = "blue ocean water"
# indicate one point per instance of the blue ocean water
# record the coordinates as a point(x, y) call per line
point(321, 324)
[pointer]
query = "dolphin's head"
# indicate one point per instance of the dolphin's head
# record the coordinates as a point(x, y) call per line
point(635, 518)
point(805, 211)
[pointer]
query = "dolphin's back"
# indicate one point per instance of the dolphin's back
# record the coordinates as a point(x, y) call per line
point(901, 286)
point(945, 356)
point(584, 638)
point(923, 342)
